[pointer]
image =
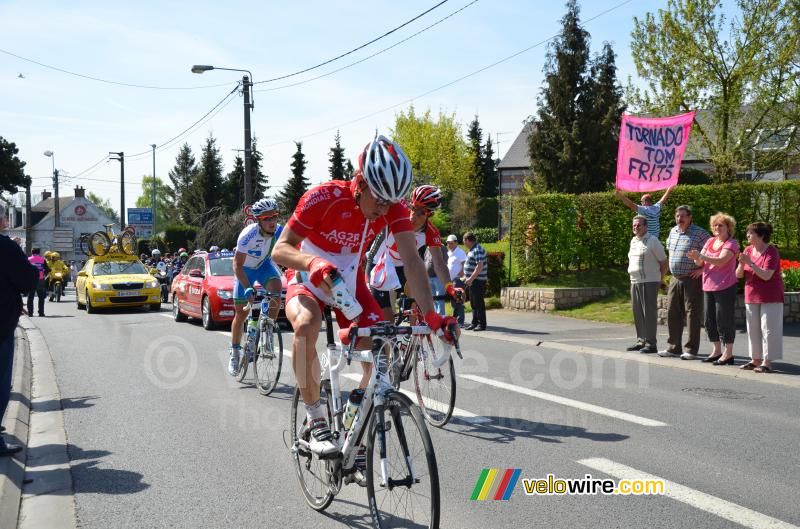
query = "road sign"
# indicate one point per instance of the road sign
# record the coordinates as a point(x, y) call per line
point(141, 219)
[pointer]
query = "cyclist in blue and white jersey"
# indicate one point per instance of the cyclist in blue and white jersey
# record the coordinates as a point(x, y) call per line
point(251, 263)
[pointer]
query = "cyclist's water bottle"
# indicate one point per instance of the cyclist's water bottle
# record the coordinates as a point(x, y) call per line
point(353, 404)
point(344, 300)
point(252, 331)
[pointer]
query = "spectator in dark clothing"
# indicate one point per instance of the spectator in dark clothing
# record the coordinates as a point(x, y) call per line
point(41, 287)
point(17, 276)
point(477, 272)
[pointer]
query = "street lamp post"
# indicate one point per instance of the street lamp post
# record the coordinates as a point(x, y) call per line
point(120, 157)
point(247, 82)
point(57, 208)
point(153, 212)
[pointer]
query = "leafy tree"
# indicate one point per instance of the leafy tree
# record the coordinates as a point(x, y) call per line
point(475, 148)
point(166, 211)
point(232, 194)
point(12, 175)
point(437, 150)
point(463, 212)
point(555, 143)
point(573, 145)
point(601, 110)
point(297, 184)
point(491, 178)
point(336, 158)
point(743, 75)
point(104, 205)
point(348, 170)
point(182, 175)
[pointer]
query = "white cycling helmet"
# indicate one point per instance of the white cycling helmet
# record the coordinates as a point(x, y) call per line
point(263, 207)
point(386, 169)
point(213, 249)
point(156, 252)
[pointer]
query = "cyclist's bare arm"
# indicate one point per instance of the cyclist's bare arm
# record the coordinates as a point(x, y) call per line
point(416, 276)
point(287, 254)
point(439, 266)
point(238, 269)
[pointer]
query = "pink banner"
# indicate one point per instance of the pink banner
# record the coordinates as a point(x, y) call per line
point(651, 150)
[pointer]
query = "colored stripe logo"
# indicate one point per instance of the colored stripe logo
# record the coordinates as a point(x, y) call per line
point(496, 484)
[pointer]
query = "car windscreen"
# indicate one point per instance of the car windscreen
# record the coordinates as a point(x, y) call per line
point(110, 268)
point(221, 267)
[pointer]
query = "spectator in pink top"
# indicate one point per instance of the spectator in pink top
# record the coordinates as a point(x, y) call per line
point(760, 265)
point(718, 259)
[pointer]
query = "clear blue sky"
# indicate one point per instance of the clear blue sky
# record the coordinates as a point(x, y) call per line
point(156, 43)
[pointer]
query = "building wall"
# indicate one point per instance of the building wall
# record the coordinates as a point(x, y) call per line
point(78, 216)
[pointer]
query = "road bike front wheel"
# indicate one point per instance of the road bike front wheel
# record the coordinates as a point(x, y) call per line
point(410, 495)
point(435, 386)
point(269, 358)
point(99, 243)
point(127, 242)
point(313, 472)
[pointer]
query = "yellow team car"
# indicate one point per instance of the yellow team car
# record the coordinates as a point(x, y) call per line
point(116, 280)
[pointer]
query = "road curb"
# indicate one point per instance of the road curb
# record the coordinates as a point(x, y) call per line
point(48, 496)
point(12, 469)
point(674, 363)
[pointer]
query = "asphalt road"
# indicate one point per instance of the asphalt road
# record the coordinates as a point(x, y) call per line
point(160, 436)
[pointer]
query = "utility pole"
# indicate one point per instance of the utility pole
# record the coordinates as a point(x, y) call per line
point(121, 159)
point(57, 208)
point(154, 191)
point(248, 140)
point(28, 241)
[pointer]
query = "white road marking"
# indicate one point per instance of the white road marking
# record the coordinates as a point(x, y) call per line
point(699, 500)
point(462, 415)
point(566, 402)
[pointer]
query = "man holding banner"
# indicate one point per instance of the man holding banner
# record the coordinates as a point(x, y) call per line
point(650, 211)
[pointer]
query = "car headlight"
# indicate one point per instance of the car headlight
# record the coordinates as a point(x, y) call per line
point(151, 283)
point(224, 294)
point(101, 286)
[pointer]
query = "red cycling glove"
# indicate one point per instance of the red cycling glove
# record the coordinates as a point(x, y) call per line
point(317, 269)
point(436, 322)
point(344, 334)
point(455, 293)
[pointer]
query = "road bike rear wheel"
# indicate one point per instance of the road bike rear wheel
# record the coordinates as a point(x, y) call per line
point(435, 386)
point(99, 243)
point(243, 361)
point(127, 242)
point(269, 358)
point(410, 498)
point(313, 473)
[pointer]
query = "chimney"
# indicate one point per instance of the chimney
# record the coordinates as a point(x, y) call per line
point(80, 192)
point(46, 194)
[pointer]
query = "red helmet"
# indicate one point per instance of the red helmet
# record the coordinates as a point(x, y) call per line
point(427, 196)
point(181, 250)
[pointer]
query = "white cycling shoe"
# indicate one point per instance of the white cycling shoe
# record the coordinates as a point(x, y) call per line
point(321, 440)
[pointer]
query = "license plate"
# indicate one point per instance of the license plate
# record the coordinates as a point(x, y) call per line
point(127, 293)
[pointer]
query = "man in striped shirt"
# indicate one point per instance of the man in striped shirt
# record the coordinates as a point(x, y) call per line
point(652, 212)
point(477, 273)
point(685, 293)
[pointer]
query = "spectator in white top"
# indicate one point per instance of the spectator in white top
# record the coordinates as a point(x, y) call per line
point(647, 266)
point(652, 212)
point(455, 264)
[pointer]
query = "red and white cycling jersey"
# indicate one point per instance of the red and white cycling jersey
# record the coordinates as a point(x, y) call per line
point(427, 237)
point(335, 229)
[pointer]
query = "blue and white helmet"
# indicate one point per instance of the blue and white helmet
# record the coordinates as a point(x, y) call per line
point(266, 207)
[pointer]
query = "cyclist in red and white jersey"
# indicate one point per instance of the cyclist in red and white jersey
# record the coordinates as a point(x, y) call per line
point(328, 231)
point(425, 200)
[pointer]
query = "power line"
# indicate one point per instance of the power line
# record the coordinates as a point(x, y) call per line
point(423, 30)
point(376, 39)
point(441, 87)
point(118, 83)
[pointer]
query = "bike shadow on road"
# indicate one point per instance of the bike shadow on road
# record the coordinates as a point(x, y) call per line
point(363, 521)
point(66, 404)
point(86, 475)
point(512, 330)
point(509, 429)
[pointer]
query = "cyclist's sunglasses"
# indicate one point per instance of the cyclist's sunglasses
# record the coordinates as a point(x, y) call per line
point(268, 216)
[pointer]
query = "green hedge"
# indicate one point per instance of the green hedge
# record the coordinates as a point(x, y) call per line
point(496, 271)
point(486, 235)
point(557, 232)
point(180, 236)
